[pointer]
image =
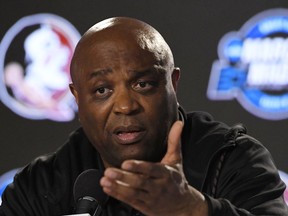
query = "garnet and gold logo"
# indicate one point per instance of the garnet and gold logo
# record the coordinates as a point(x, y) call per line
point(35, 55)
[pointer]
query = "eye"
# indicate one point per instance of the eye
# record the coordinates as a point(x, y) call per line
point(143, 86)
point(102, 92)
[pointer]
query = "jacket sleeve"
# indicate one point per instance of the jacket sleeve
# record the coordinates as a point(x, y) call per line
point(248, 183)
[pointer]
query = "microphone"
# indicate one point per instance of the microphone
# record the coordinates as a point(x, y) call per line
point(88, 194)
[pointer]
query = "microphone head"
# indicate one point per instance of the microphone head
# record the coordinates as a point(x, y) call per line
point(87, 185)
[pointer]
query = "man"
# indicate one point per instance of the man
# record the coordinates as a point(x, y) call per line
point(124, 82)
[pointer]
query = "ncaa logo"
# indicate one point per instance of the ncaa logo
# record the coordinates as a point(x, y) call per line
point(35, 55)
point(253, 66)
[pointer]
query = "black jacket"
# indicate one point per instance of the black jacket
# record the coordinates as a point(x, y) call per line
point(234, 171)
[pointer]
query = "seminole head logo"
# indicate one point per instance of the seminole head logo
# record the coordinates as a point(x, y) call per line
point(253, 66)
point(35, 55)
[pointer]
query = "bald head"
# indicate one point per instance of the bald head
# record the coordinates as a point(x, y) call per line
point(121, 30)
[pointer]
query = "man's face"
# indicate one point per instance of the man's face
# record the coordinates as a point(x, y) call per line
point(126, 101)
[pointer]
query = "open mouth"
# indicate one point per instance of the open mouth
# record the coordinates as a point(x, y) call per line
point(129, 135)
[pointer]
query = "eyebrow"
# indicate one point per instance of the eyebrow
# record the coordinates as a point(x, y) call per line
point(101, 72)
point(148, 71)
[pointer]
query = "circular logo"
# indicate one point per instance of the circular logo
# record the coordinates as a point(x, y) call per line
point(253, 66)
point(35, 56)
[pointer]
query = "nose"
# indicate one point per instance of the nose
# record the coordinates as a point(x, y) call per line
point(126, 103)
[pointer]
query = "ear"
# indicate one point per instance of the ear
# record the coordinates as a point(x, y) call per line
point(74, 91)
point(175, 78)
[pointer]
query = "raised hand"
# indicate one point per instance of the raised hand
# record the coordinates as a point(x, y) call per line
point(156, 189)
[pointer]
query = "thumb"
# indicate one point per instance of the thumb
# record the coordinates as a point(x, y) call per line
point(173, 154)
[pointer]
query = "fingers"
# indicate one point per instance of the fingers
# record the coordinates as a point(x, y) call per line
point(123, 185)
point(153, 170)
point(139, 189)
point(138, 175)
point(126, 179)
point(144, 185)
point(173, 154)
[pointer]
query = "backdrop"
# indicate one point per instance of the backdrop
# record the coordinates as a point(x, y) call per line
point(30, 126)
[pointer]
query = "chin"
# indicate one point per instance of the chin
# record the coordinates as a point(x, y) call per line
point(154, 156)
point(150, 158)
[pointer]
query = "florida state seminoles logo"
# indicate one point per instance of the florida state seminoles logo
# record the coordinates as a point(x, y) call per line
point(35, 54)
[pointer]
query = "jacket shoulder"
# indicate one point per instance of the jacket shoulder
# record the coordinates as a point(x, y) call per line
point(48, 180)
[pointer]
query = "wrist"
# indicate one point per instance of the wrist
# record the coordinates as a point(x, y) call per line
point(197, 205)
